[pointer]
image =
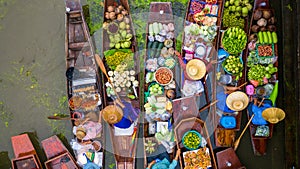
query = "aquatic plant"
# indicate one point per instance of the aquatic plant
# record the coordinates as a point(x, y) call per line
point(5, 114)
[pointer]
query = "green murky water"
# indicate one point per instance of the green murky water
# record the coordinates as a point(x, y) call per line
point(32, 85)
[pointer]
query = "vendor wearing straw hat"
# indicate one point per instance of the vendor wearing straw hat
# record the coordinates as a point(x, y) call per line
point(195, 69)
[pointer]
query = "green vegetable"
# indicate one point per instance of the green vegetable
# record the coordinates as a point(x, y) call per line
point(151, 32)
point(265, 37)
point(269, 37)
point(260, 37)
point(234, 40)
point(274, 37)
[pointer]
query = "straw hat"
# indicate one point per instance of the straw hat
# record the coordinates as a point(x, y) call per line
point(273, 115)
point(112, 114)
point(237, 101)
point(195, 69)
point(80, 133)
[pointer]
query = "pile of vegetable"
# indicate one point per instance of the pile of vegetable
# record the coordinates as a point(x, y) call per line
point(192, 140)
point(118, 27)
point(234, 40)
point(232, 20)
point(233, 65)
point(159, 77)
point(160, 40)
point(260, 73)
point(122, 57)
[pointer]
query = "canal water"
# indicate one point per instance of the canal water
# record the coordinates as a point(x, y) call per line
point(32, 85)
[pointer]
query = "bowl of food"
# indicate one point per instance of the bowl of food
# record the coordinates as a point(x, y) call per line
point(163, 76)
point(191, 140)
point(75, 102)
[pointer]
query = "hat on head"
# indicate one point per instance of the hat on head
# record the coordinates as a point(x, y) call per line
point(195, 69)
point(112, 114)
point(80, 133)
point(237, 101)
point(273, 115)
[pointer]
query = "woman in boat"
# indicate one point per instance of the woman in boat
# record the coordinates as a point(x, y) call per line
point(164, 163)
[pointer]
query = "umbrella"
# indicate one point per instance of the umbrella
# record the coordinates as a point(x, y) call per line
point(273, 115)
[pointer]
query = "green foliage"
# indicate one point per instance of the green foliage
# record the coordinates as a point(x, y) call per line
point(93, 13)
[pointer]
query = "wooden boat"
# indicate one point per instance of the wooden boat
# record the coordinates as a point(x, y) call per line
point(259, 142)
point(83, 80)
point(225, 137)
point(207, 44)
point(160, 42)
point(119, 37)
point(57, 154)
point(205, 153)
point(25, 154)
point(227, 159)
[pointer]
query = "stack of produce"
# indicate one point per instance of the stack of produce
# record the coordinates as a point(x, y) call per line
point(159, 64)
point(118, 27)
point(234, 40)
point(262, 41)
point(234, 13)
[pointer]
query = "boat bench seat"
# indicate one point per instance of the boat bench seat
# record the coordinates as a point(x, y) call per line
point(76, 45)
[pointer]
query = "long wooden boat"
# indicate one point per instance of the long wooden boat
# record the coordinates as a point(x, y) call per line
point(227, 159)
point(25, 154)
point(262, 9)
point(83, 80)
point(121, 61)
point(202, 156)
point(57, 154)
point(229, 82)
point(204, 17)
point(158, 93)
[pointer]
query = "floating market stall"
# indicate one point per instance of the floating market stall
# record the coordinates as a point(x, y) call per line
point(230, 75)
point(262, 76)
point(121, 66)
point(83, 85)
point(160, 85)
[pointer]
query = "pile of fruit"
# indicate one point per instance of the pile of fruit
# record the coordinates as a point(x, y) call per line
point(192, 140)
point(233, 65)
point(156, 89)
point(238, 7)
point(234, 40)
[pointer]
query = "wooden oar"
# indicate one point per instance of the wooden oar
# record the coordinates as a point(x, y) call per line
point(237, 142)
point(205, 107)
point(103, 69)
point(61, 118)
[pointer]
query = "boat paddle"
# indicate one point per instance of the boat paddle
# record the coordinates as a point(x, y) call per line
point(237, 142)
point(103, 69)
point(61, 118)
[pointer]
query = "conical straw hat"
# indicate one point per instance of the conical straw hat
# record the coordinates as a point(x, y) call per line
point(80, 133)
point(112, 114)
point(237, 101)
point(273, 115)
point(195, 69)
